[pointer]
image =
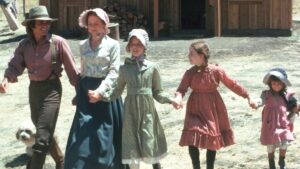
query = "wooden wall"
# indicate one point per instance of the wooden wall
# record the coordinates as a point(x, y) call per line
point(143, 6)
point(235, 14)
point(68, 11)
point(169, 11)
point(256, 14)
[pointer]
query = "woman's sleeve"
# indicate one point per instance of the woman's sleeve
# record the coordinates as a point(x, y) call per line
point(158, 93)
point(116, 90)
point(113, 72)
point(231, 84)
point(184, 84)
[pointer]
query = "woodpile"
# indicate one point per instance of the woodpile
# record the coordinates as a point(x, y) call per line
point(127, 19)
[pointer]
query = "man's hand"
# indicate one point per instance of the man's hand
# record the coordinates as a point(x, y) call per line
point(4, 85)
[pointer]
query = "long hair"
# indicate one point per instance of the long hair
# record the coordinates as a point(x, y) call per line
point(29, 26)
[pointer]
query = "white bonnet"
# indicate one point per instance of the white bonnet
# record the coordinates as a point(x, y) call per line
point(99, 12)
point(141, 35)
point(279, 73)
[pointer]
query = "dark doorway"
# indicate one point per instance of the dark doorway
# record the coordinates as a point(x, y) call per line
point(193, 14)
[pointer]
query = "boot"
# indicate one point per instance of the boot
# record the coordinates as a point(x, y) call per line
point(37, 161)
point(28, 164)
point(196, 166)
point(281, 162)
point(57, 155)
point(156, 166)
point(272, 164)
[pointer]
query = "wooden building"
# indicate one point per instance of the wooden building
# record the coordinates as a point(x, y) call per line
point(215, 17)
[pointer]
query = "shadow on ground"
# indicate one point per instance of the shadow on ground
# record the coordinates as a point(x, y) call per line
point(17, 161)
point(14, 39)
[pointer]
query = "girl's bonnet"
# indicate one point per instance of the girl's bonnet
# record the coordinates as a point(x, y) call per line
point(279, 73)
point(141, 35)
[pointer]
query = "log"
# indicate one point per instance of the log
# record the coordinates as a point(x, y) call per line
point(128, 19)
point(10, 17)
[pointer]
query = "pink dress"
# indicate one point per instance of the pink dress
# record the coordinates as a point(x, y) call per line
point(206, 122)
point(275, 124)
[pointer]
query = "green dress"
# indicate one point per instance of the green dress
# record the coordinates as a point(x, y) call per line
point(143, 137)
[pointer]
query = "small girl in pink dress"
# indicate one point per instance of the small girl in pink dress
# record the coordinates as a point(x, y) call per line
point(206, 122)
point(280, 109)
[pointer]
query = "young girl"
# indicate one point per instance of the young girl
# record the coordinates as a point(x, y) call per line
point(206, 122)
point(276, 126)
point(143, 137)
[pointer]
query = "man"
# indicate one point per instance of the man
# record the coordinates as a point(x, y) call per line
point(43, 55)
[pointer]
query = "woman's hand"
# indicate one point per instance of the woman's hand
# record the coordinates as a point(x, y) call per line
point(177, 101)
point(94, 96)
point(176, 104)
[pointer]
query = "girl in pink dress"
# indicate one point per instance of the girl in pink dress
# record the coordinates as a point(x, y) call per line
point(280, 108)
point(206, 122)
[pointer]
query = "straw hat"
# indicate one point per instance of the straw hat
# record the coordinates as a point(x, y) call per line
point(38, 13)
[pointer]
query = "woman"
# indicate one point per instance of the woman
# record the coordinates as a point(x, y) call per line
point(95, 137)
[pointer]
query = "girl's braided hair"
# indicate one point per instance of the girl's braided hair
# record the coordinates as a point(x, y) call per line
point(201, 48)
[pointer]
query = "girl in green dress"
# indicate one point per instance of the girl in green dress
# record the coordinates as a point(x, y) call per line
point(143, 137)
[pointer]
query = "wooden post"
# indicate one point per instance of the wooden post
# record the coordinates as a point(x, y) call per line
point(217, 17)
point(155, 18)
point(24, 9)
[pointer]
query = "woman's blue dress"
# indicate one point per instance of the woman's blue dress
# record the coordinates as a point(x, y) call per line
point(95, 137)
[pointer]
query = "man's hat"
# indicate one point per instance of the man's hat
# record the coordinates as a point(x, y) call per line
point(38, 13)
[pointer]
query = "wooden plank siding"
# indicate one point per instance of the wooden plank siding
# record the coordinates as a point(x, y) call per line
point(257, 14)
point(69, 13)
point(235, 14)
point(242, 15)
point(169, 12)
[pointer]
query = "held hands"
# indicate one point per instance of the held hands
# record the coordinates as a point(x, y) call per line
point(4, 85)
point(252, 103)
point(177, 102)
point(94, 96)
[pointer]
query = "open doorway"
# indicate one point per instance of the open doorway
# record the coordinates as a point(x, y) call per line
point(193, 14)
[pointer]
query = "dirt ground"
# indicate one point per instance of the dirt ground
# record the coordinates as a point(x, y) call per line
point(245, 59)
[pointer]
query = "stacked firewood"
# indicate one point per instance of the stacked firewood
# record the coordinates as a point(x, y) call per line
point(127, 19)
